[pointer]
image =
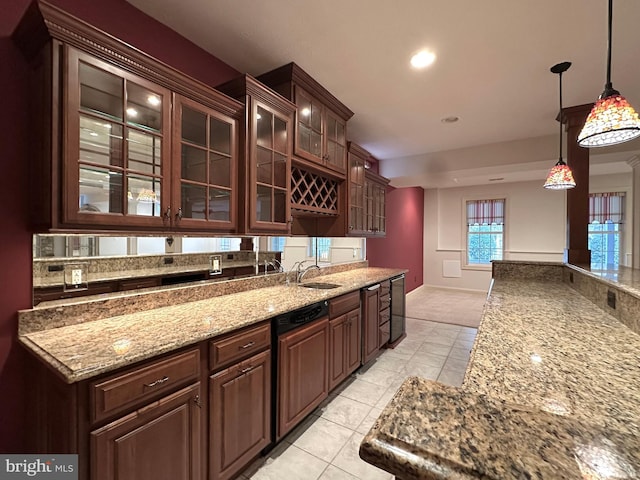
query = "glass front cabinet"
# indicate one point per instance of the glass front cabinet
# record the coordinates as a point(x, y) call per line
point(121, 141)
point(119, 167)
point(266, 163)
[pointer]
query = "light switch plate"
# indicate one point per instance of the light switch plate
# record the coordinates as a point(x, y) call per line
point(215, 264)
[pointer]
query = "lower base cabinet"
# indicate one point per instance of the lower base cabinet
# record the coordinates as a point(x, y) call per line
point(345, 343)
point(303, 376)
point(240, 423)
point(159, 441)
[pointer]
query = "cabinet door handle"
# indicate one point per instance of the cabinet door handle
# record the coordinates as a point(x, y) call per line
point(160, 381)
point(167, 215)
point(246, 370)
point(179, 215)
point(250, 344)
point(196, 400)
point(374, 287)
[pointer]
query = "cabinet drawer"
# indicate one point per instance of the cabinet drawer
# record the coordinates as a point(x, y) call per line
point(344, 304)
point(385, 302)
point(385, 316)
point(237, 346)
point(127, 389)
point(384, 334)
point(385, 287)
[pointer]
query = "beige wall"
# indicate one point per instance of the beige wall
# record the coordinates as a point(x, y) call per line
point(535, 227)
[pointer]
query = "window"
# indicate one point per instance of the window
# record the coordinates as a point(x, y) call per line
point(277, 244)
point(606, 217)
point(485, 231)
point(320, 248)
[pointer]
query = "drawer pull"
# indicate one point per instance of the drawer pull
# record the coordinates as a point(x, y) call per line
point(250, 344)
point(160, 381)
point(196, 400)
point(245, 370)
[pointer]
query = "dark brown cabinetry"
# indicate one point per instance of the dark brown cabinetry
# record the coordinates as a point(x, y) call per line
point(161, 440)
point(345, 337)
point(367, 190)
point(103, 127)
point(265, 166)
point(370, 323)
point(320, 120)
point(240, 400)
point(303, 373)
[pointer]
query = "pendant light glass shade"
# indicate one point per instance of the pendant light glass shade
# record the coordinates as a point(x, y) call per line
point(611, 120)
point(560, 177)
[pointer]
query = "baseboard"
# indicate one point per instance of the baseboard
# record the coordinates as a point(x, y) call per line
point(472, 290)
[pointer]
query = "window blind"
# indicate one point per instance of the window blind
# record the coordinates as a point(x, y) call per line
point(606, 207)
point(485, 212)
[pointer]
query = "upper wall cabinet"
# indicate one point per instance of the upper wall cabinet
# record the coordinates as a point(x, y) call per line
point(123, 142)
point(367, 196)
point(320, 119)
point(265, 163)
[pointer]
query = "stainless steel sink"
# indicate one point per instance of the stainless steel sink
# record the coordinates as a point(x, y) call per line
point(319, 285)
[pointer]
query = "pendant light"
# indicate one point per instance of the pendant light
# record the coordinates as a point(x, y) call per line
point(612, 120)
point(560, 176)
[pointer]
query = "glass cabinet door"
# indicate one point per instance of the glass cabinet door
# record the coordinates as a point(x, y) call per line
point(336, 142)
point(205, 165)
point(269, 170)
point(356, 192)
point(309, 138)
point(117, 145)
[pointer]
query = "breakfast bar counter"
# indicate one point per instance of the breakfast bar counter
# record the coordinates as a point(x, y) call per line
point(552, 390)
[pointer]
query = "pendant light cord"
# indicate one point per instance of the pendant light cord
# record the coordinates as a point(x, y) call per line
point(608, 86)
point(560, 77)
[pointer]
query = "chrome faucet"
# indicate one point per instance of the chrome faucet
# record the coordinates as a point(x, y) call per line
point(275, 265)
point(305, 271)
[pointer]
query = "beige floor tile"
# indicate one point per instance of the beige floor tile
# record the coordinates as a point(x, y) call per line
point(428, 359)
point(334, 473)
point(451, 377)
point(443, 340)
point(363, 391)
point(349, 460)
point(386, 397)
point(460, 353)
point(291, 462)
point(379, 376)
point(435, 349)
point(388, 362)
point(401, 354)
point(369, 420)
point(321, 438)
point(460, 343)
point(423, 371)
point(455, 364)
point(346, 412)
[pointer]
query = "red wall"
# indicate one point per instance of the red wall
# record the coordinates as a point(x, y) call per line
point(122, 20)
point(402, 246)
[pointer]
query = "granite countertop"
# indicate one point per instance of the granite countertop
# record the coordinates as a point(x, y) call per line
point(551, 391)
point(79, 352)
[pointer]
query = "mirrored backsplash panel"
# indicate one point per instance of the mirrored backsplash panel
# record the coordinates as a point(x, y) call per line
point(69, 266)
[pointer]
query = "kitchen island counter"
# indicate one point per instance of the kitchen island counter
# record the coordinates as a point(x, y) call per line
point(551, 391)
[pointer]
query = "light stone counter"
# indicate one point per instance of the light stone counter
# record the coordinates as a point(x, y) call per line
point(552, 391)
point(90, 348)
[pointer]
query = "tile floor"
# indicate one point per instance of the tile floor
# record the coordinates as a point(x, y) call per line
point(325, 446)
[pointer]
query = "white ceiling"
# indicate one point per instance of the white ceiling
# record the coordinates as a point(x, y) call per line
point(492, 66)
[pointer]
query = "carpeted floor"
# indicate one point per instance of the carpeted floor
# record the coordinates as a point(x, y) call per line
point(456, 307)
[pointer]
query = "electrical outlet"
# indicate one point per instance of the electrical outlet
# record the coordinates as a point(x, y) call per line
point(76, 276)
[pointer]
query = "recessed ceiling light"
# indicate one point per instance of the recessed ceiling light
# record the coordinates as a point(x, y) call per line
point(423, 59)
point(451, 119)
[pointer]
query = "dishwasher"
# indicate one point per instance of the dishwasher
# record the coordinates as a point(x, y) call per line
point(300, 346)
